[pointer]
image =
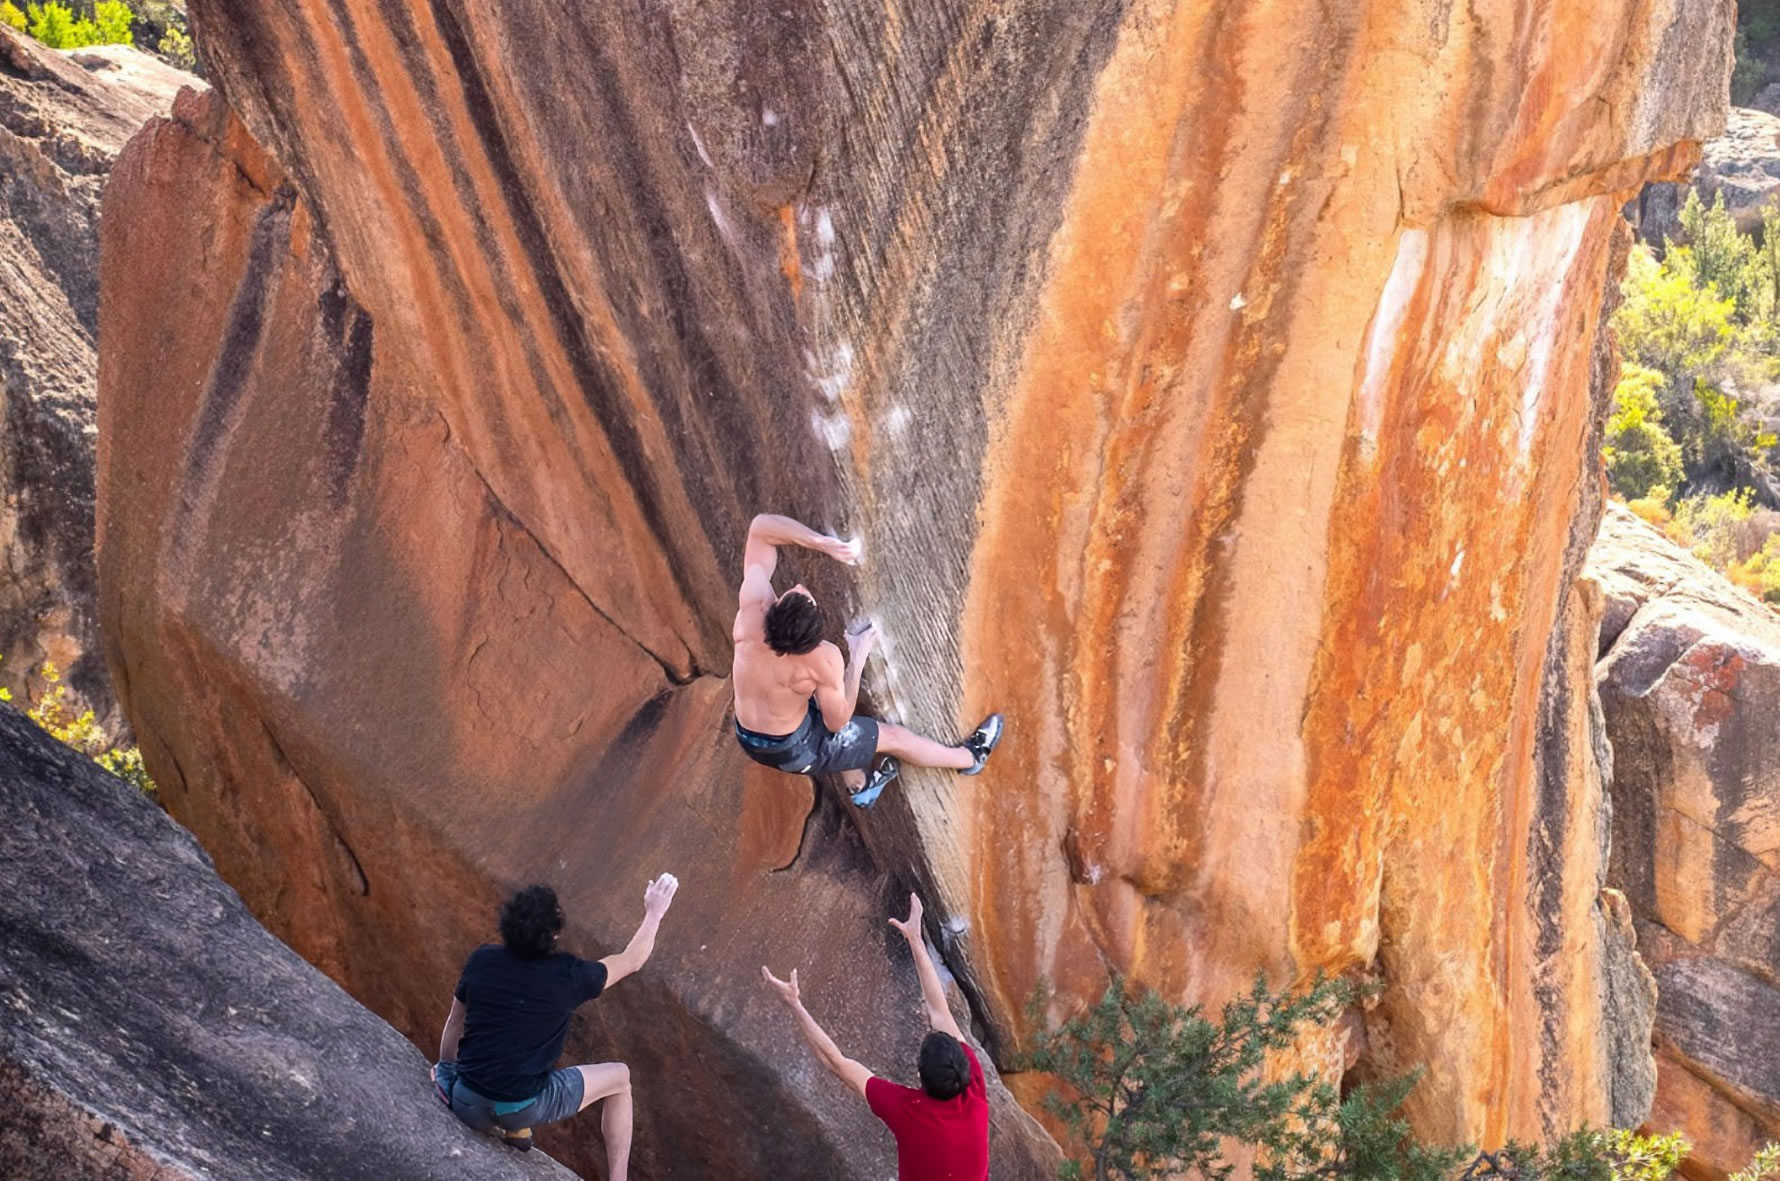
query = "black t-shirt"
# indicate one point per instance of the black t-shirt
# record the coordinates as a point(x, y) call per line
point(516, 1017)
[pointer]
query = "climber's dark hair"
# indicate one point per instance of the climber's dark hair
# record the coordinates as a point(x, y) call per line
point(793, 624)
point(945, 1071)
point(530, 922)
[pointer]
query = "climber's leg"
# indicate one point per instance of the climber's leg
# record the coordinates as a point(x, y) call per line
point(921, 751)
point(611, 1081)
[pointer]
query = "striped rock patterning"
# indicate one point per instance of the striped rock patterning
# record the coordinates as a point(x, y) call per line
point(1215, 386)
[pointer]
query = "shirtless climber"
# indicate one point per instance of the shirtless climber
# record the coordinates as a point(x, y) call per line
point(794, 696)
point(941, 1127)
point(510, 1016)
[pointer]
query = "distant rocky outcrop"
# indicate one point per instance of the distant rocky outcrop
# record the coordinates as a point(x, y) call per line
point(1690, 686)
point(1742, 165)
point(150, 1028)
point(63, 119)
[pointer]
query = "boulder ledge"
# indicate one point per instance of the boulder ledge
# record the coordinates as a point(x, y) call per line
point(153, 1029)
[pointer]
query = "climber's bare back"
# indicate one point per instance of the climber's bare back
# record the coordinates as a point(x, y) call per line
point(772, 692)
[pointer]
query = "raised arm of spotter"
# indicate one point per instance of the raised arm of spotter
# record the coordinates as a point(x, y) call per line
point(933, 994)
point(854, 1074)
point(657, 897)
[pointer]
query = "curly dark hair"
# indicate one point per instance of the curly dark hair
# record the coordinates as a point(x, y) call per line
point(793, 625)
point(530, 922)
point(944, 1069)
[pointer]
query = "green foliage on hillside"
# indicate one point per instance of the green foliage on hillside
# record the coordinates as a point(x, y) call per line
point(1690, 441)
point(60, 27)
point(1640, 453)
point(11, 16)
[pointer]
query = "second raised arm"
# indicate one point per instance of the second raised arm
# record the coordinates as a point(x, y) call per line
point(933, 993)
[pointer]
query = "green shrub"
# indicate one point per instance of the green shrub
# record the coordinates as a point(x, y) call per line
point(55, 24)
point(1746, 74)
point(1723, 258)
point(1665, 322)
point(10, 15)
point(1759, 574)
point(113, 19)
point(1159, 1088)
point(177, 48)
point(82, 732)
point(1709, 526)
point(1765, 1166)
point(1639, 453)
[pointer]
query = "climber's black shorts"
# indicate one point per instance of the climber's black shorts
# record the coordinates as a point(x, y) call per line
point(812, 749)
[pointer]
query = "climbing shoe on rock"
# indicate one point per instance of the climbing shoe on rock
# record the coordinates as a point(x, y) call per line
point(522, 1139)
point(981, 742)
point(874, 787)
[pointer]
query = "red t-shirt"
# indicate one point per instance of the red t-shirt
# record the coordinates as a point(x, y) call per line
point(936, 1139)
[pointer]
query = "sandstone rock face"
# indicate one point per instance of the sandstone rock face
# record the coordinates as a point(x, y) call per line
point(155, 1032)
point(63, 119)
point(1213, 385)
point(1690, 684)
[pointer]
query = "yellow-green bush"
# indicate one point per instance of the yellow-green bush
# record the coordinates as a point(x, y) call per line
point(82, 732)
point(10, 15)
point(1760, 574)
point(177, 48)
point(1665, 322)
point(113, 19)
point(1765, 1166)
point(1640, 454)
point(56, 25)
point(1708, 526)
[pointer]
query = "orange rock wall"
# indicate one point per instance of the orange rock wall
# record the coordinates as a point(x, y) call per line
point(1211, 383)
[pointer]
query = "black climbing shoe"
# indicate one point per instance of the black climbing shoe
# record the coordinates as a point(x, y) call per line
point(522, 1139)
point(874, 787)
point(981, 742)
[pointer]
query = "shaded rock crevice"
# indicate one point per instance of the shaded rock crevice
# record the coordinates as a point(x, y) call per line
point(63, 120)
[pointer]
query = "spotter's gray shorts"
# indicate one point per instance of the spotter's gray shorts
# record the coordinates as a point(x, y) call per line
point(560, 1098)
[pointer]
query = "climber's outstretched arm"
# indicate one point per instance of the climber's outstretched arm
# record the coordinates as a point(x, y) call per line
point(454, 1029)
point(768, 531)
point(854, 1074)
point(939, 1014)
